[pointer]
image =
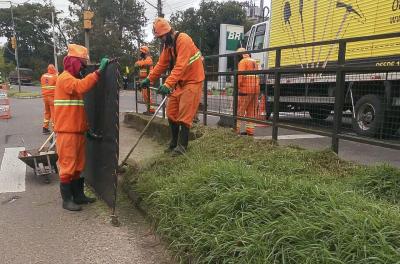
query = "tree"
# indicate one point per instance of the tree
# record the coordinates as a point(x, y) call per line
point(34, 39)
point(117, 28)
point(203, 24)
point(5, 67)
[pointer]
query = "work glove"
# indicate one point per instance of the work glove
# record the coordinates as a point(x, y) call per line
point(103, 64)
point(145, 83)
point(164, 90)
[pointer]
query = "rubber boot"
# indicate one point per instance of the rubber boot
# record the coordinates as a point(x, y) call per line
point(181, 148)
point(66, 194)
point(174, 136)
point(78, 192)
point(46, 131)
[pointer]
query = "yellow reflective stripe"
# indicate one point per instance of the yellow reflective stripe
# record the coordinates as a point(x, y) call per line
point(49, 87)
point(195, 57)
point(69, 103)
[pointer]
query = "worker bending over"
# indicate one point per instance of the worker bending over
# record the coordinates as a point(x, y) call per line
point(249, 90)
point(145, 64)
point(184, 83)
point(48, 83)
point(71, 124)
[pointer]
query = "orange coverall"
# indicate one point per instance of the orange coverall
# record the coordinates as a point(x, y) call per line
point(186, 79)
point(48, 83)
point(145, 66)
point(249, 89)
point(71, 124)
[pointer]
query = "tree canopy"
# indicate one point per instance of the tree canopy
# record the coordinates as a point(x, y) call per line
point(203, 24)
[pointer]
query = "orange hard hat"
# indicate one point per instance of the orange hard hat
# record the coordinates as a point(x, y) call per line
point(51, 69)
point(144, 49)
point(78, 51)
point(242, 50)
point(161, 27)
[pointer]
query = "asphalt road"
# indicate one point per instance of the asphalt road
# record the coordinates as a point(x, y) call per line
point(35, 229)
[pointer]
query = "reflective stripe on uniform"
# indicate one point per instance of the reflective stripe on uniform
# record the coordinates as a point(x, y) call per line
point(49, 87)
point(195, 57)
point(69, 103)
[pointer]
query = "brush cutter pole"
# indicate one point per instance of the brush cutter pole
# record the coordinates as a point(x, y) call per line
point(144, 131)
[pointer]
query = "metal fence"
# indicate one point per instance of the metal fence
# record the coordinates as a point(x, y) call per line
point(342, 99)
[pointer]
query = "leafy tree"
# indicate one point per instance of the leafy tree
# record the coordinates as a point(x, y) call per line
point(117, 28)
point(5, 67)
point(33, 28)
point(203, 24)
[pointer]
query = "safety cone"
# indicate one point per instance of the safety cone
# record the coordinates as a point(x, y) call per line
point(4, 105)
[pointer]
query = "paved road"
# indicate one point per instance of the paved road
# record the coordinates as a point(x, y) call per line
point(35, 229)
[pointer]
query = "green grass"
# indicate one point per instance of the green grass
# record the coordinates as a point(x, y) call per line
point(14, 93)
point(235, 200)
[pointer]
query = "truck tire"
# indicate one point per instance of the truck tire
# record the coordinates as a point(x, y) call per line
point(369, 115)
point(319, 113)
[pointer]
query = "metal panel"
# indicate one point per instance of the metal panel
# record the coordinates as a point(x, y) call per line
point(102, 109)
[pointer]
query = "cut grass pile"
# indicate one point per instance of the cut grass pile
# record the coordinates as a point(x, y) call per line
point(235, 200)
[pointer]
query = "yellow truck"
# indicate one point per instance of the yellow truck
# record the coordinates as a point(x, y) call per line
point(373, 99)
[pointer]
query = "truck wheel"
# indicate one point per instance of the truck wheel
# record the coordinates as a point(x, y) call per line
point(368, 115)
point(319, 113)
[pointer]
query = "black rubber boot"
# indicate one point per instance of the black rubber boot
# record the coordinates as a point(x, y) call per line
point(174, 136)
point(46, 131)
point(78, 192)
point(181, 148)
point(66, 194)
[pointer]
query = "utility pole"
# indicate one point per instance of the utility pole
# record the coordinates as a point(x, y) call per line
point(159, 8)
point(54, 42)
point(16, 47)
point(86, 8)
point(261, 15)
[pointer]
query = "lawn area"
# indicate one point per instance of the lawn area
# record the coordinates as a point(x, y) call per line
point(232, 199)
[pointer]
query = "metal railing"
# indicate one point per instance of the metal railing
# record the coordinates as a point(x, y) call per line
point(323, 101)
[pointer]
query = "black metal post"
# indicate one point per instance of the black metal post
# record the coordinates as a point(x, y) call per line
point(339, 97)
point(136, 92)
point(235, 90)
point(205, 102)
point(277, 92)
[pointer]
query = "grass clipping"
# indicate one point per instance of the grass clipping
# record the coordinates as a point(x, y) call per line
point(235, 200)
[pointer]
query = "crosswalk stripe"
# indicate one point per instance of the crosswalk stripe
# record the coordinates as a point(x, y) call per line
point(12, 171)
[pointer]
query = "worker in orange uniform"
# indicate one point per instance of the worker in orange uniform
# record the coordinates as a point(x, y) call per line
point(145, 65)
point(48, 83)
point(249, 90)
point(183, 85)
point(71, 124)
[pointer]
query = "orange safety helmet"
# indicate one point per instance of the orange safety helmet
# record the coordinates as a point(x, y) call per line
point(161, 27)
point(51, 69)
point(144, 49)
point(78, 51)
point(242, 50)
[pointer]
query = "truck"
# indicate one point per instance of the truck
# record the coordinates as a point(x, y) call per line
point(25, 76)
point(372, 99)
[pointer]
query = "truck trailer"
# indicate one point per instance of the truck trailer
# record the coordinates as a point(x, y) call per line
point(372, 98)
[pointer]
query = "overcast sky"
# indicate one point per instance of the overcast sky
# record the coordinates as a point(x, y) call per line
point(169, 6)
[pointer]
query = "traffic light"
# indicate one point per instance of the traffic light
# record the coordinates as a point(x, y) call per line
point(87, 19)
point(14, 42)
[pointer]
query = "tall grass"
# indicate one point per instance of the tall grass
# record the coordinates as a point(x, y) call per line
point(235, 200)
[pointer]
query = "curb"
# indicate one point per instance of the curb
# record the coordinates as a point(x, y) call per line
point(26, 97)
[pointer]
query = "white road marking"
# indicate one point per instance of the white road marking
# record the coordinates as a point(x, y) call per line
point(12, 171)
point(288, 137)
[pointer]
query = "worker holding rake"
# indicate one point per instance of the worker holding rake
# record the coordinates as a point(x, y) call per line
point(184, 84)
